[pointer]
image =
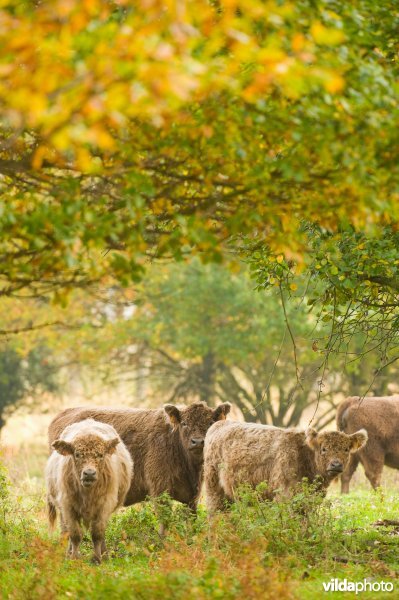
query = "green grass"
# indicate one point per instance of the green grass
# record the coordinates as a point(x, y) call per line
point(256, 550)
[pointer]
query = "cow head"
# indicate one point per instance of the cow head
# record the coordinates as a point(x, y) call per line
point(193, 422)
point(88, 453)
point(332, 450)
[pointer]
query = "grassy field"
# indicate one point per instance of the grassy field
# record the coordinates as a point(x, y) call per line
point(257, 550)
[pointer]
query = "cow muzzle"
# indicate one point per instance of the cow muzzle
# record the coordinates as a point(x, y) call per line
point(196, 444)
point(88, 477)
point(335, 467)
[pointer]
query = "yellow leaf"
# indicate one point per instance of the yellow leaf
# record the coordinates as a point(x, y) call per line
point(326, 35)
point(334, 84)
point(298, 42)
point(38, 157)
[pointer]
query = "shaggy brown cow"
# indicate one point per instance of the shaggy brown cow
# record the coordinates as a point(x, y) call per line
point(166, 445)
point(88, 476)
point(237, 453)
point(380, 416)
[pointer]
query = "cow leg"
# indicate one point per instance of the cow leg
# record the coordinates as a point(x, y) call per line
point(70, 524)
point(348, 473)
point(75, 537)
point(373, 470)
point(98, 539)
point(283, 494)
point(215, 495)
point(159, 502)
point(64, 528)
point(65, 534)
point(193, 503)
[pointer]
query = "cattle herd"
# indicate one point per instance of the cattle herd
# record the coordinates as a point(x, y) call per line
point(104, 458)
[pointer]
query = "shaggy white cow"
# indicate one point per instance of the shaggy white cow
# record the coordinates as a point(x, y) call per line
point(88, 476)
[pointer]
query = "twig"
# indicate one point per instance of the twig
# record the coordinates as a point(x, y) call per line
point(344, 560)
point(291, 336)
point(34, 327)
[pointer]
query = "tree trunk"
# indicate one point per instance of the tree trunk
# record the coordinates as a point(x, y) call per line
point(208, 378)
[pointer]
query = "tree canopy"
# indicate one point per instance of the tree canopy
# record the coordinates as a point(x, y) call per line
point(149, 129)
point(193, 331)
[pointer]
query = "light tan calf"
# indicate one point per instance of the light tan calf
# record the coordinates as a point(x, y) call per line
point(238, 453)
point(88, 476)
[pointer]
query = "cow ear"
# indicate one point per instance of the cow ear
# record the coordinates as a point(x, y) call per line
point(221, 412)
point(311, 436)
point(111, 445)
point(358, 440)
point(63, 447)
point(173, 413)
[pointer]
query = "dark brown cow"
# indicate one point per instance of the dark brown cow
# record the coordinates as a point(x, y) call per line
point(166, 445)
point(380, 416)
